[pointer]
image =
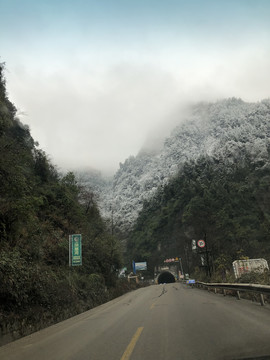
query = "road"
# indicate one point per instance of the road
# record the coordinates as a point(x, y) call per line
point(158, 322)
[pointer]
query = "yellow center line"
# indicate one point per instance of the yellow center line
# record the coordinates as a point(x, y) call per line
point(152, 306)
point(132, 344)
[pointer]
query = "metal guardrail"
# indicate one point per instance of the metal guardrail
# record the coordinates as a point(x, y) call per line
point(254, 288)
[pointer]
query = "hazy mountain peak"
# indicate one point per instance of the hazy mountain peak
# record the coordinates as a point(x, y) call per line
point(222, 130)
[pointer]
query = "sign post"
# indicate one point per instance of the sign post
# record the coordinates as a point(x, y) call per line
point(75, 250)
point(181, 265)
point(201, 243)
point(204, 254)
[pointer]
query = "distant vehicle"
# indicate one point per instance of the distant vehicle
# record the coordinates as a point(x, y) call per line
point(241, 267)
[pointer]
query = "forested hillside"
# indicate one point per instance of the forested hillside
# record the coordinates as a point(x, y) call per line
point(210, 180)
point(226, 131)
point(219, 193)
point(39, 209)
point(224, 201)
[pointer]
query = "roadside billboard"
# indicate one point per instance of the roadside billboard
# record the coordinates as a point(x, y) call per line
point(141, 265)
point(138, 266)
point(241, 267)
point(75, 250)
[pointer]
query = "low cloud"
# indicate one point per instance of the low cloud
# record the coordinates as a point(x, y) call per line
point(97, 117)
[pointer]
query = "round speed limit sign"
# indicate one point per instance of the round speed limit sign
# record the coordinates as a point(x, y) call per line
point(201, 243)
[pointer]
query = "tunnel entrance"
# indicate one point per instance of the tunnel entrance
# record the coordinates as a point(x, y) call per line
point(166, 277)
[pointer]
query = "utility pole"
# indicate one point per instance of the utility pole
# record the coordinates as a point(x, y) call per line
point(207, 257)
point(187, 257)
point(181, 266)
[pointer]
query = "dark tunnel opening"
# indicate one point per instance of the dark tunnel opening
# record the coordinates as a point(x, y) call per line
point(166, 277)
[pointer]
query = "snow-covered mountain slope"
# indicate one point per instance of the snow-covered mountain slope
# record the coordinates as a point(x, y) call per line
point(224, 130)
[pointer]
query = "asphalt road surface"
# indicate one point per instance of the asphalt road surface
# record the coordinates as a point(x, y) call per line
point(158, 322)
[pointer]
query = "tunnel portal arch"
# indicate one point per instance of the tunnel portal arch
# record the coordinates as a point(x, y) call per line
point(166, 277)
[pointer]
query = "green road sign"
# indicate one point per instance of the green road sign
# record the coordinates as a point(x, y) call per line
point(75, 250)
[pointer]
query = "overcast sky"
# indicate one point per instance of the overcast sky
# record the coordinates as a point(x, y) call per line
point(95, 78)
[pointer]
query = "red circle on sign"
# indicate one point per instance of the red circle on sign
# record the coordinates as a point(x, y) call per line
point(201, 243)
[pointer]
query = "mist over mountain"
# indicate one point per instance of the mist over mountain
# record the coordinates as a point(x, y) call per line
point(224, 130)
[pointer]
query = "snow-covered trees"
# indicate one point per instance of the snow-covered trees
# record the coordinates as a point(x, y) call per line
point(226, 130)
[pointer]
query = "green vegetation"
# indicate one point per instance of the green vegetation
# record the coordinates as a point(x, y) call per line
point(223, 199)
point(225, 202)
point(39, 209)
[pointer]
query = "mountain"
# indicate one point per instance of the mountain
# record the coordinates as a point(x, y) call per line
point(39, 210)
point(221, 196)
point(224, 130)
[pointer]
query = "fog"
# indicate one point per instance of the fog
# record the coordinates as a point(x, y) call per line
point(95, 90)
